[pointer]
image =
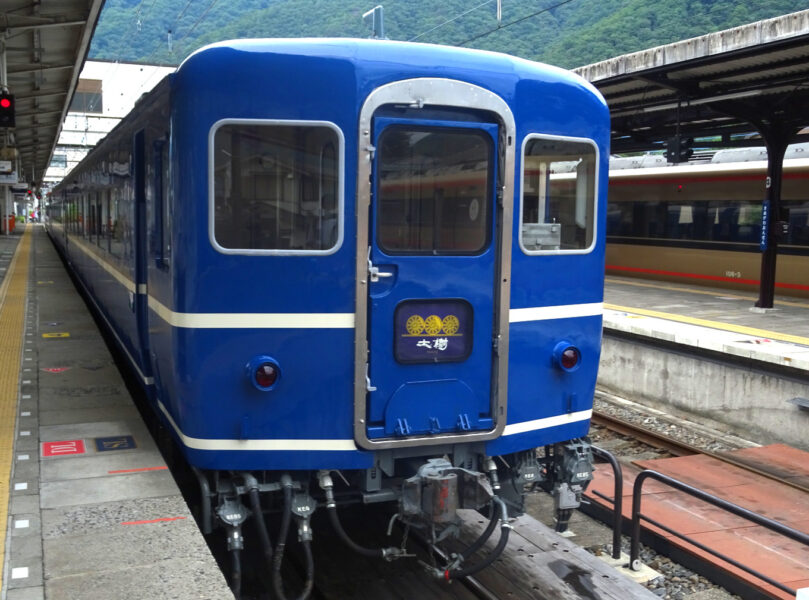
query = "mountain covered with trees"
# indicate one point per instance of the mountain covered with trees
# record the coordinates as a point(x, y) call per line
point(566, 33)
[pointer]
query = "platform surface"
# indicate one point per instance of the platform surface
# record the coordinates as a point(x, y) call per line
point(94, 512)
point(770, 553)
point(710, 318)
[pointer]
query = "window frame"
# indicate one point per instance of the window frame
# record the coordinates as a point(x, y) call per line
point(340, 187)
point(487, 210)
point(596, 205)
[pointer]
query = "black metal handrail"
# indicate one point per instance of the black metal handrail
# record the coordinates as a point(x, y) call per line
point(617, 499)
point(735, 509)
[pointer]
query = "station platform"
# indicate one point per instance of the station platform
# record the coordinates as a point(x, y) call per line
point(710, 318)
point(88, 507)
point(702, 354)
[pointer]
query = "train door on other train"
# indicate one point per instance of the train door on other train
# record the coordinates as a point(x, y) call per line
point(434, 262)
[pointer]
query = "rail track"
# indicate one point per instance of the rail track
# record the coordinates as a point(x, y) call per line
point(679, 448)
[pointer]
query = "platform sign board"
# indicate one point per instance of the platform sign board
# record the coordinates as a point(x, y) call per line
point(62, 448)
point(118, 442)
point(9, 178)
point(765, 225)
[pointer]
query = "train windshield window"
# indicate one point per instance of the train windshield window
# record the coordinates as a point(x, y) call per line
point(276, 188)
point(434, 193)
point(558, 195)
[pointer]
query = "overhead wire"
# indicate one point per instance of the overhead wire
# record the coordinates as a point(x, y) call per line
point(520, 20)
point(182, 12)
point(194, 26)
point(447, 22)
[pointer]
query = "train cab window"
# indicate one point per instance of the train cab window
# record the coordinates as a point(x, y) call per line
point(434, 190)
point(558, 195)
point(276, 187)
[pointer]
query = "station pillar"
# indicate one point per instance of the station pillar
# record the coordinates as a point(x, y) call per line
point(777, 138)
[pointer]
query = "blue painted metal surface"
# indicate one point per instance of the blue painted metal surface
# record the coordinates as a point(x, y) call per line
point(199, 373)
point(428, 397)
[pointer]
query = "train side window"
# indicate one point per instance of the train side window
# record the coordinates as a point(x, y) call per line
point(83, 215)
point(276, 187)
point(558, 195)
point(116, 226)
point(162, 212)
point(107, 220)
point(167, 201)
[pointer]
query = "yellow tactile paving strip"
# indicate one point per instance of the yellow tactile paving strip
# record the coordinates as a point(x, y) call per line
point(13, 292)
point(759, 333)
point(714, 293)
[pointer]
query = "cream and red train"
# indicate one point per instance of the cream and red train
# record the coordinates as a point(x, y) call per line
point(701, 224)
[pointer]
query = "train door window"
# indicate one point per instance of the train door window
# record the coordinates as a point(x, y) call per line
point(158, 179)
point(167, 204)
point(434, 191)
point(98, 217)
point(107, 220)
point(117, 236)
point(83, 215)
point(162, 203)
point(558, 195)
point(91, 216)
point(276, 187)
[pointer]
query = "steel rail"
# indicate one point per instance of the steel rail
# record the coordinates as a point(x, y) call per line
point(678, 448)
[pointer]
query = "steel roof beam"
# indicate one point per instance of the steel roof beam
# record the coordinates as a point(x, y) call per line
point(17, 29)
point(37, 68)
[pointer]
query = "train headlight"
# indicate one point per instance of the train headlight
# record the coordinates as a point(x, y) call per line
point(263, 372)
point(566, 356)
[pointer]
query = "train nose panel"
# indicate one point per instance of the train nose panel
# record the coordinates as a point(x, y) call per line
point(423, 407)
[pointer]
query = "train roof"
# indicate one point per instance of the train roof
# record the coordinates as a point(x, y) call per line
point(393, 53)
point(397, 60)
point(706, 169)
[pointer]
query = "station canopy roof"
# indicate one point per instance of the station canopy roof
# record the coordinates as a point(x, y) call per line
point(44, 45)
point(725, 84)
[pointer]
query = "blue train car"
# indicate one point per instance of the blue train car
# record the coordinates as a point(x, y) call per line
point(374, 257)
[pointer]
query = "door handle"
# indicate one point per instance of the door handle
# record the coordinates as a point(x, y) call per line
point(373, 271)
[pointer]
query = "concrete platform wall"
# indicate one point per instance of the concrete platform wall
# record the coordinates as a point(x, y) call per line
point(751, 403)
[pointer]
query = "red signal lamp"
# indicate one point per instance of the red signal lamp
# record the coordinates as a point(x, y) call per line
point(266, 375)
point(6, 110)
point(566, 356)
point(263, 373)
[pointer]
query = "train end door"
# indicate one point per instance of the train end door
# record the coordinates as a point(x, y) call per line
point(433, 283)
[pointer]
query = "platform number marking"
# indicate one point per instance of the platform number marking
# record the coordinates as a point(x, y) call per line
point(62, 448)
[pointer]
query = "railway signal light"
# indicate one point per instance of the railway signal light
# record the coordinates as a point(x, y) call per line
point(6, 109)
point(679, 149)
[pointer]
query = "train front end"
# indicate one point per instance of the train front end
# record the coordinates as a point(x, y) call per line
point(390, 291)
